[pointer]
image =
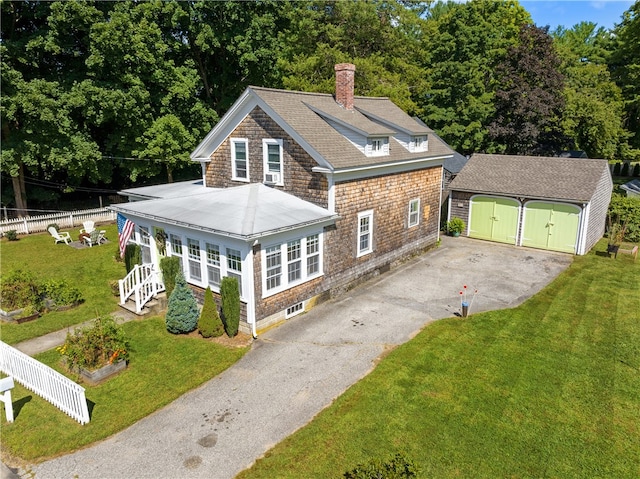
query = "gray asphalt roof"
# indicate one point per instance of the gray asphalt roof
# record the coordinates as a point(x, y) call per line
point(453, 164)
point(304, 112)
point(246, 212)
point(573, 179)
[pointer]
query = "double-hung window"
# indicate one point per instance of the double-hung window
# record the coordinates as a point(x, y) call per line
point(234, 266)
point(378, 146)
point(294, 261)
point(195, 264)
point(213, 265)
point(272, 156)
point(414, 212)
point(176, 247)
point(365, 232)
point(274, 267)
point(419, 143)
point(145, 244)
point(240, 159)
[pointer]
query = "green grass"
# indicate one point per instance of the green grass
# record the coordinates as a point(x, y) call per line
point(162, 367)
point(89, 269)
point(548, 389)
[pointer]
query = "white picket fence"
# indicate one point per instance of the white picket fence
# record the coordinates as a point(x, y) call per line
point(64, 219)
point(47, 383)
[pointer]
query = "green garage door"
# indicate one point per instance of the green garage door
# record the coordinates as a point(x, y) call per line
point(552, 226)
point(494, 219)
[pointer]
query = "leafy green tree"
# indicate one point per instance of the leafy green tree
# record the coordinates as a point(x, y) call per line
point(182, 310)
point(528, 100)
point(230, 305)
point(465, 46)
point(624, 64)
point(210, 324)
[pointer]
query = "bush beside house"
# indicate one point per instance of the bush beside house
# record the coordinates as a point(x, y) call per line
point(210, 324)
point(169, 267)
point(230, 305)
point(182, 311)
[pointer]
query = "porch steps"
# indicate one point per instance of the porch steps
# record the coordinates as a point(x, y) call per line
point(158, 305)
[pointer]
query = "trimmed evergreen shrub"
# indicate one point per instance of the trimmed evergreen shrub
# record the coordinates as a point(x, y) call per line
point(170, 267)
point(210, 324)
point(132, 256)
point(625, 169)
point(230, 305)
point(616, 169)
point(636, 170)
point(12, 235)
point(398, 467)
point(182, 311)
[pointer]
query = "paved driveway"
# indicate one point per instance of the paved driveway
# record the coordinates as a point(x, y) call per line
point(297, 369)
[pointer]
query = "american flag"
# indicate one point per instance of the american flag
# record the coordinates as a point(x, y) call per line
point(125, 230)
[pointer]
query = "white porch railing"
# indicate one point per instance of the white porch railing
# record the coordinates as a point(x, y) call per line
point(64, 219)
point(47, 383)
point(143, 282)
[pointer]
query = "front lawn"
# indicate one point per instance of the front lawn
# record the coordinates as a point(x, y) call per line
point(548, 389)
point(88, 269)
point(162, 367)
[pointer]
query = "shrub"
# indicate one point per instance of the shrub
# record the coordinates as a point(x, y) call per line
point(636, 170)
point(12, 235)
point(182, 311)
point(616, 169)
point(132, 256)
point(398, 467)
point(19, 289)
point(104, 342)
point(170, 267)
point(455, 225)
point(230, 305)
point(625, 210)
point(625, 169)
point(210, 324)
point(61, 293)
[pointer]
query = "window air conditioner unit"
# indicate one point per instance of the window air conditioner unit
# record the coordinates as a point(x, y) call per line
point(272, 178)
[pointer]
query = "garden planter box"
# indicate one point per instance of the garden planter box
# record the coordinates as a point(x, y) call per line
point(12, 316)
point(103, 373)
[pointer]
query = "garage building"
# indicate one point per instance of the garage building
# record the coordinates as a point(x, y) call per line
point(552, 203)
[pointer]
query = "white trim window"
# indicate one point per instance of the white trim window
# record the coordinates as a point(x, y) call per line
point(274, 267)
point(234, 266)
point(176, 247)
point(377, 146)
point(419, 143)
point(303, 260)
point(414, 212)
point(145, 244)
point(213, 265)
point(365, 232)
point(273, 162)
point(195, 261)
point(240, 159)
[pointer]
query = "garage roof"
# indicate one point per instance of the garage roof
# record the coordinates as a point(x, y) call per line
point(574, 179)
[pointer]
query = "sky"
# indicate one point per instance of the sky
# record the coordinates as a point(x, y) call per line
point(605, 13)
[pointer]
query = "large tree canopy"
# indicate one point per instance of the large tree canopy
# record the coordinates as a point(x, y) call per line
point(111, 93)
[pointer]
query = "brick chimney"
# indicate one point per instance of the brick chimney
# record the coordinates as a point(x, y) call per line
point(345, 73)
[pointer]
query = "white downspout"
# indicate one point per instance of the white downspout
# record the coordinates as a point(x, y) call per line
point(251, 301)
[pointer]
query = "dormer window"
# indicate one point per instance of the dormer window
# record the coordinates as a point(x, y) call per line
point(419, 143)
point(378, 146)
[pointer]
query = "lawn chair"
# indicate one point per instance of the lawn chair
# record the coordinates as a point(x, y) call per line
point(59, 235)
point(95, 238)
point(89, 226)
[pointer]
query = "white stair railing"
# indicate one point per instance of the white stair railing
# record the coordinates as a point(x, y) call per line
point(143, 282)
point(47, 383)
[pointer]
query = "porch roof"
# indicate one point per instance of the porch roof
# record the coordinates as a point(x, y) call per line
point(245, 212)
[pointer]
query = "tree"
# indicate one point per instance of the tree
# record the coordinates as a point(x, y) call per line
point(529, 97)
point(170, 267)
point(210, 324)
point(624, 64)
point(464, 45)
point(230, 305)
point(594, 109)
point(182, 310)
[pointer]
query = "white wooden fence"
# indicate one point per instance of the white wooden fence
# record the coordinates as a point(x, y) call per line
point(64, 219)
point(47, 383)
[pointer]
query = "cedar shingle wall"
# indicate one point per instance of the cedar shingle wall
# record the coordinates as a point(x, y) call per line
point(299, 180)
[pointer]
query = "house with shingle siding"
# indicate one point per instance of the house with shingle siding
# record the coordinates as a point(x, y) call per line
point(552, 203)
point(302, 196)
